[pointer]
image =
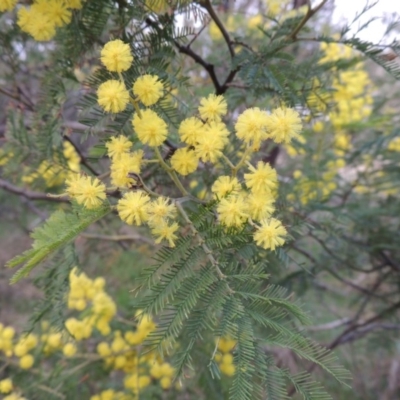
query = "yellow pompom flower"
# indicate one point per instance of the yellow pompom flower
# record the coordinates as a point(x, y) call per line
point(112, 96)
point(251, 126)
point(55, 10)
point(211, 142)
point(260, 206)
point(262, 179)
point(227, 369)
point(7, 5)
point(103, 349)
point(184, 161)
point(284, 124)
point(150, 128)
point(26, 361)
point(118, 145)
point(394, 144)
point(270, 234)
point(90, 193)
point(116, 56)
point(148, 89)
point(6, 386)
point(190, 130)
point(8, 333)
point(232, 211)
point(132, 208)
point(123, 165)
point(160, 210)
point(165, 382)
point(225, 185)
point(164, 231)
point(23, 18)
point(213, 107)
point(69, 349)
point(36, 23)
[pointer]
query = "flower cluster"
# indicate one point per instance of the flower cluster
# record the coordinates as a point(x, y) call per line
point(242, 198)
point(89, 295)
point(43, 17)
point(90, 335)
point(224, 356)
point(55, 173)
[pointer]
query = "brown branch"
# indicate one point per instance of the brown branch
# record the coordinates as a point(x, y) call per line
point(310, 13)
point(28, 194)
point(208, 6)
point(199, 60)
point(82, 158)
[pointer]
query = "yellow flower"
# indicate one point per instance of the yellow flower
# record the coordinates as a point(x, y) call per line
point(270, 234)
point(148, 89)
point(74, 4)
point(132, 208)
point(251, 126)
point(262, 179)
point(8, 333)
point(118, 145)
point(36, 23)
point(213, 107)
point(190, 130)
point(103, 349)
point(159, 211)
point(78, 329)
point(260, 206)
point(157, 6)
point(150, 128)
point(26, 361)
point(112, 96)
point(125, 164)
point(232, 211)
point(116, 56)
point(164, 231)
point(283, 125)
point(7, 5)
point(69, 349)
point(184, 161)
point(85, 191)
point(55, 10)
point(225, 185)
point(394, 144)
point(165, 382)
point(227, 369)
point(6, 386)
point(211, 142)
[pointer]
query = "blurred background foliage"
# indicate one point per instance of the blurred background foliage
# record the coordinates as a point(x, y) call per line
point(339, 191)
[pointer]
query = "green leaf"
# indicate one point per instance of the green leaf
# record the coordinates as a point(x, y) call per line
point(57, 231)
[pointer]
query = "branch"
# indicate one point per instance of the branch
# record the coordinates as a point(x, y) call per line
point(207, 5)
point(82, 160)
point(310, 12)
point(28, 194)
point(199, 60)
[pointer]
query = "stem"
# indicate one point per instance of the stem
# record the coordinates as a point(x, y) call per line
point(242, 161)
point(215, 350)
point(309, 14)
point(207, 5)
point(136, 106)
point(201, 241)
point(228, 161)
point(171, 173)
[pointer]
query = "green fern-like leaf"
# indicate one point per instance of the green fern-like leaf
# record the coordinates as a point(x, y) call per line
point(58, 230)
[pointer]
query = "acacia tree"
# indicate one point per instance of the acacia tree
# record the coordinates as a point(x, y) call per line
point(238, 148)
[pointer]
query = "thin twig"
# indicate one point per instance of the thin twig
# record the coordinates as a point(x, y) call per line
point(28, 194)
point(82, 158)
point(208, 6)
